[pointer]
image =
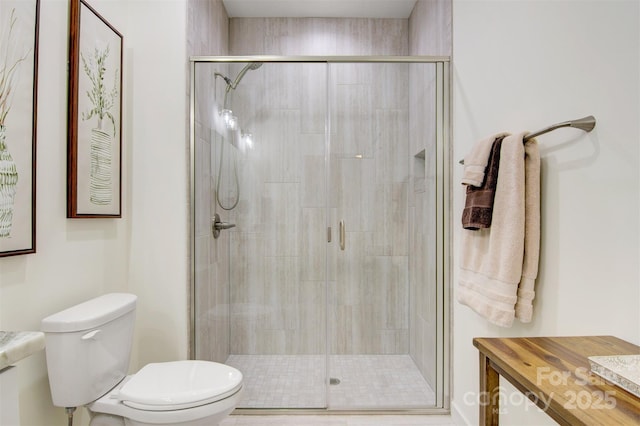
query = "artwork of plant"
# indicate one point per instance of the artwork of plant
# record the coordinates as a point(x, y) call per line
point(102, 101)
point(10, 63)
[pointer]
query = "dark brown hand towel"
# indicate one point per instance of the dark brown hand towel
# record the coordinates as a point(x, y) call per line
point(478, 208)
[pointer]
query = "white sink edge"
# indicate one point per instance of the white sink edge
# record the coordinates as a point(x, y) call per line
point(17, 345)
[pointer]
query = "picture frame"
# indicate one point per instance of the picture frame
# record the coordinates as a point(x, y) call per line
point(94, 157)
point(19, 24)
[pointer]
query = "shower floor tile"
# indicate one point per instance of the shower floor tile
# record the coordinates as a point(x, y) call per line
point(366, 382)
point(378, 381)
point(281, 381)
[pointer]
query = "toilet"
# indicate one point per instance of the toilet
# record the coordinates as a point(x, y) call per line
point(88, 347)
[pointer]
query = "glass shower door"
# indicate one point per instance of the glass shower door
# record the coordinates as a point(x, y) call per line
point(376, 207)
point(325, 282)
point(272, 188)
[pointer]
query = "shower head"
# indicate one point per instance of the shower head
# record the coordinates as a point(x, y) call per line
point(250, 66)
point(232, 85)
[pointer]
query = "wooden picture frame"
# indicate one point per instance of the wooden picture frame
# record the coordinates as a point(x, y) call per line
point(94, 157)
point(19, 22)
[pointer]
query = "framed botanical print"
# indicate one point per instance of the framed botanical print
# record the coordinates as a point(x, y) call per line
point(18, 95)
point(95, 115)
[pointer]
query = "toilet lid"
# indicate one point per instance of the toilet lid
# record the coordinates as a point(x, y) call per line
point(179, 384)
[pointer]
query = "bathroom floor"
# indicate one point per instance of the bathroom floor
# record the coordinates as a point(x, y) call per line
point(365, 381)
point(338, 420)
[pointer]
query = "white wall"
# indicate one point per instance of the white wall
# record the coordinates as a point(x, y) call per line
point(159, 264)
point(517, 65)
point(525, 65)
point(145, 252)
point(76, 259)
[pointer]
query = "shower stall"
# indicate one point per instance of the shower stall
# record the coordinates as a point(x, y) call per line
point(319, 200)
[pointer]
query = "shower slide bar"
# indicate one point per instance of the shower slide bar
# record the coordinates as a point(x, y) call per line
point(585, 123)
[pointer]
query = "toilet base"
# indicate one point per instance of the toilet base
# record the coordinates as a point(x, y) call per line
point(110, 420)
point(207, 421)
point(106, 420)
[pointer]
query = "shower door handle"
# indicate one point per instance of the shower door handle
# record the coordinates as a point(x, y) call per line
point(342, 237)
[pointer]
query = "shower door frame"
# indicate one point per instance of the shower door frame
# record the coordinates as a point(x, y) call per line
point(443, 216)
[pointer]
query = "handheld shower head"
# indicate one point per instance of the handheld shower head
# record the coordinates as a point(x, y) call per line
point(232, 85)
point(250, 66)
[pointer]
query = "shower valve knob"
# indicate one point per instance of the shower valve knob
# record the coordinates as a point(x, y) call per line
point(218, 225)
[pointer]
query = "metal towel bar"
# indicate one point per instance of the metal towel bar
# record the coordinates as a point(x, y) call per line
point(585, 123)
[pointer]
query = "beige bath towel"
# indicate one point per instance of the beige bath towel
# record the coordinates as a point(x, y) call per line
point(476, 161)
point(499, 265)
point(526, 293)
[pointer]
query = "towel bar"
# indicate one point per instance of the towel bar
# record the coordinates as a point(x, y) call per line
point(585, 123)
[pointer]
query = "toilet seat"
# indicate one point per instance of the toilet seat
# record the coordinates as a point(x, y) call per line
point(178, 385)
point(112, 403)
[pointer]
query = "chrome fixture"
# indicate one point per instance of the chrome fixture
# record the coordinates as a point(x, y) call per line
point(218, 225)
point(585, 123)
point(252, 66)
point(231, 123)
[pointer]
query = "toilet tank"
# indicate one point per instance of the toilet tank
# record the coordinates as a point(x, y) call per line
point(88, 347)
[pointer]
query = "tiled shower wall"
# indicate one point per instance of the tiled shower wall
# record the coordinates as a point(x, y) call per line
point(369, 192)
point(289, 264)
point(208, 35)
point(279, 273)
point(429, 34)
point(422, 211)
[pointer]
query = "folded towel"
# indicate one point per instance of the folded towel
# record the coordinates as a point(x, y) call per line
point(475, 162)
point(524, 305)
point(499, 264)
point(478, 207)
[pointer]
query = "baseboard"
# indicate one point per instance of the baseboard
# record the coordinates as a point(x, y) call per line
point(457, 417)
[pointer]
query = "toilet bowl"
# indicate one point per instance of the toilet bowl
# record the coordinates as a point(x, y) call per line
point(88, 348)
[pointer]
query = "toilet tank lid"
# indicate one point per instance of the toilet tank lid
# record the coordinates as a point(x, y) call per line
point(90, 314)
